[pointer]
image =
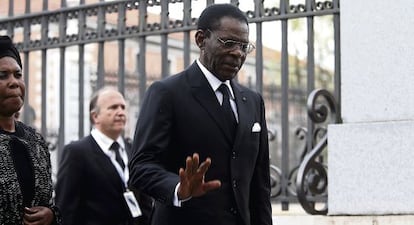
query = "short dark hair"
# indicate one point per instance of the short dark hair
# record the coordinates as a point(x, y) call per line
point(211, 16)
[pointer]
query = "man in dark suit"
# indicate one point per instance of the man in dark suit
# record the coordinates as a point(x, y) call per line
point(203, 165)
point(93, 173)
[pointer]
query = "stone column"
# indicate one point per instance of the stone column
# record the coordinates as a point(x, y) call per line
point(371, 155)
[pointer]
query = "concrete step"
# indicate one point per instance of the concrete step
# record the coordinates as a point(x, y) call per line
point(343, 220)
point(297, 216)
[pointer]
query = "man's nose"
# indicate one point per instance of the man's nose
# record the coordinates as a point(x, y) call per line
point(238, 50)
point(121, 111)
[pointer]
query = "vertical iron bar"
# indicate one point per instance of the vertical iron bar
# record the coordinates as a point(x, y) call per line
point(44, 36)
point(11, 8)
point(121, 66)
point(81, 96)
point(284, 4)
point(187, 38)
point(61, 139)
point(26, 39)
point(142, 49)
point(101, 48)
point(10, 28)
point(337, 69)
point(62, 50)
point(81, 47)
point(259, 49)
point(121, 48)
point(164, 39)
point(45, 5)
point(27, 7)
point(26, 82)
point(187, 48)
point(44, 92)
point(310, 70)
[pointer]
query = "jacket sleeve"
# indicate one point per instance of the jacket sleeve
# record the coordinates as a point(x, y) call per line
point(148, 172)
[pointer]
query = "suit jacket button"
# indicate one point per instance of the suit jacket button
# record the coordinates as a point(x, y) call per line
point(233, 155)
point(234, 184)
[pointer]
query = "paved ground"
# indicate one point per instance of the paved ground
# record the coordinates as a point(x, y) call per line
point(294, 209)
point(289, 217)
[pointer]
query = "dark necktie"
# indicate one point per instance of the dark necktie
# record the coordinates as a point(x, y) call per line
point(228, 111)
point(115, 147)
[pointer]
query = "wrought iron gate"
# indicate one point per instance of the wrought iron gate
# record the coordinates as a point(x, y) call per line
point(72, 47)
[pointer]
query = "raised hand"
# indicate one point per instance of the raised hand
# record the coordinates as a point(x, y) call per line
point(192, 182)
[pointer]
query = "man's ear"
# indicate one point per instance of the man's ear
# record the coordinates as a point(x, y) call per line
point(93, 116)
point(200, 38)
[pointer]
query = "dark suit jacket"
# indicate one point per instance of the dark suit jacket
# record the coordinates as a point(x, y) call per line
point(180, 115)
point(89, 191)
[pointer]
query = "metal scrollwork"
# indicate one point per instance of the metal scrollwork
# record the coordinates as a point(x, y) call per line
point(312, 179)
point(297, 8)
point(271, 11)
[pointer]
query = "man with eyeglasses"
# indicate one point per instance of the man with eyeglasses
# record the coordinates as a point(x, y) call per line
point(201, 148)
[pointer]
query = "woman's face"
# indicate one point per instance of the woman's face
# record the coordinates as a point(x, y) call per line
point(12, 87)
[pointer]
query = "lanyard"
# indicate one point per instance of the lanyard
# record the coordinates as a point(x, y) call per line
point(124, 174)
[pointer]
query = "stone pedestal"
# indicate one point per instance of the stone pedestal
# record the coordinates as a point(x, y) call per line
point(371, 155)
point(371, 168)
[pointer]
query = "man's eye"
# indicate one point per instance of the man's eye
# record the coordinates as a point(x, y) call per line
point(229, 43)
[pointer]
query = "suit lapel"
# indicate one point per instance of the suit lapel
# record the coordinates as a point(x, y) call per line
point(203, 93)
point(242, 111)
point(105, 164)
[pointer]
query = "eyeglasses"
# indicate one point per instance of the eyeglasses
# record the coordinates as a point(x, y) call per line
point(246, 47)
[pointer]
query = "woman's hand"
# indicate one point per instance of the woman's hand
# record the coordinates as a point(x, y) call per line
point(38, 215)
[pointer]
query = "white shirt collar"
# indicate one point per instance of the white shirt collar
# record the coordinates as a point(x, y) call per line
point(104, 141)
point(213, 80)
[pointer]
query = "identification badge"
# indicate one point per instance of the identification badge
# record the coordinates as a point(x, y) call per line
point(132, 204)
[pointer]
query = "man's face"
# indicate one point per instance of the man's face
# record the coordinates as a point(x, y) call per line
point(12, 87)
point(110, 118)
point(224, 61)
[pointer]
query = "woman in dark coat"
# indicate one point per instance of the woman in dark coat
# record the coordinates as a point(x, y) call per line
point(25, 169)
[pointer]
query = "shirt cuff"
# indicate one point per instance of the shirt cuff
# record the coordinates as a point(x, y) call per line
point(177, 202)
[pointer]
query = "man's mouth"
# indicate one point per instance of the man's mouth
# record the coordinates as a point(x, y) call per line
point(232, 66)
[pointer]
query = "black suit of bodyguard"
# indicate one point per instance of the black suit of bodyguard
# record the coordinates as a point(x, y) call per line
point(91, 183)
point(184, 153)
